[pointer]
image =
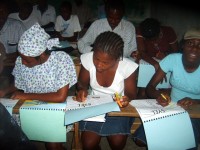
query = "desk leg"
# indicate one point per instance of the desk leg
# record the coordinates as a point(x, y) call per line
point(76, 138)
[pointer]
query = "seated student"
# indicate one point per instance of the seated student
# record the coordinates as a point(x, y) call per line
point(107, 59)
point(25, 15)
point(39, 74)
point(113, 22)
point(46, 14)
point(11, 31)
point(154, 41)
point(67, 26)
point(185, 79)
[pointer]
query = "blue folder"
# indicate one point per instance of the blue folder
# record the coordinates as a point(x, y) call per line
point(146, 72)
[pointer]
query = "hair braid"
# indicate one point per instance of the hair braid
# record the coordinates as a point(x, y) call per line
point(111, 43)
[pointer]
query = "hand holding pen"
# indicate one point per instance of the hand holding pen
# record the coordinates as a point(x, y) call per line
point(122, 101)
point(81, 95)
point(163, 99)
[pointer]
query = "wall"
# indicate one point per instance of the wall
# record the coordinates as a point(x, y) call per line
point(178, 14)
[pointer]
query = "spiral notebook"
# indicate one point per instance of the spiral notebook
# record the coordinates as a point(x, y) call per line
point(166, 128)
point(42, 121)
point(146, 72)
point(92, 109)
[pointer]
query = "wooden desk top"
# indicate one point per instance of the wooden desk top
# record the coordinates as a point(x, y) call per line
point(194, 112)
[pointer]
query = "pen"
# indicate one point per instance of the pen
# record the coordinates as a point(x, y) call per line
point(118, 99)
point(163, 96)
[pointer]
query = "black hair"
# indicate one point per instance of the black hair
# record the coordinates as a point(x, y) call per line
point(111, 43)
point(115, 4)
point(27, 5)
point(66, 4)
point(150, 28)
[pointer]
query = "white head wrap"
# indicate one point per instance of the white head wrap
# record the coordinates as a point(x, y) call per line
point(35, 41)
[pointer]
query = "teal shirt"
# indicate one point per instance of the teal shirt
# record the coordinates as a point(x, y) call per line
point(183, 84)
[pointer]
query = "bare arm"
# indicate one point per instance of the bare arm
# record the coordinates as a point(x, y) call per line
point(59, 96)
point(141, 48)
point(83, 84)
point(151, 87)
point(130, 86)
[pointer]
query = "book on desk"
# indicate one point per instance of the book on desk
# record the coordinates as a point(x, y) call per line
point(146, 72)
point(64, 46)
point(43, 121)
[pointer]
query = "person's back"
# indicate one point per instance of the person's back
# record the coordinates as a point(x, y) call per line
point(114, 23)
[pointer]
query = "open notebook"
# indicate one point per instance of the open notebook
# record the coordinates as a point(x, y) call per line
point(166, 128)
point(92, 109)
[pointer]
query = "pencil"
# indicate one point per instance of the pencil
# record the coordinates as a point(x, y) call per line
point(118, 99)
point(163, 96)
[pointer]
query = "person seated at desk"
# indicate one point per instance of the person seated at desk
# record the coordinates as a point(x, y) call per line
point(154, 41)
point(67, 26)
point(41, 75)
point(10, 33)
point(46, 15)
point(113, 22)
point(184, 80)
point(107, 58)
point(25, 15)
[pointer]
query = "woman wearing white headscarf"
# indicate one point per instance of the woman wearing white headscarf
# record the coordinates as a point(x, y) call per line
point(39, 74)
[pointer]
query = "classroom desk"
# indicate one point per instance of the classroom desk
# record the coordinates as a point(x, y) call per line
point(194, 112)
point(130, 111)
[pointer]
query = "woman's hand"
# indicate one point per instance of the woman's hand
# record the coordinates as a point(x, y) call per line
point(122, 101)
point(186, 102)
point(81, 95)
point(163, 99)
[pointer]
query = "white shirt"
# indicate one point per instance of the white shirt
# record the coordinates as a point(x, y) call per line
point(29, 22)
point(10, 34)
point(67, 28)
point(125, 68)
point(48, 16)
point(125, 29)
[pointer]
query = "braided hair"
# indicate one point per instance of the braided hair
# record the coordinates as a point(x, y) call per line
point(110, 43)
